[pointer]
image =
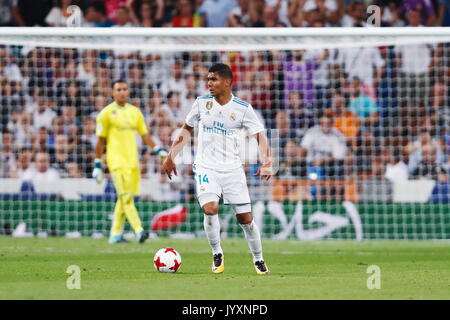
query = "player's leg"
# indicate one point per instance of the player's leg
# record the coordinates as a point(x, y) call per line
point(211, 224)
point(118, 223)
point(253, 236)
point(128, 180)
point(235, 193)
point(208, 190)
point(119, 214)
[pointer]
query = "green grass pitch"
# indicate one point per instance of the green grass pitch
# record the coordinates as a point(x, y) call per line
point(36, 269)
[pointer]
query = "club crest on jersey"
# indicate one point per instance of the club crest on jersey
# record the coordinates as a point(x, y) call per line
point(114, 112)
point(233, 116)
point(209, 105)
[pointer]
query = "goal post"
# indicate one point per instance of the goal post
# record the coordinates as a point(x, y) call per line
point(358, 120)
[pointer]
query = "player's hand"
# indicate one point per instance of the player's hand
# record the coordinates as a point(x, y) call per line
point(265, 171)
point(97, 174)
point(168, 167)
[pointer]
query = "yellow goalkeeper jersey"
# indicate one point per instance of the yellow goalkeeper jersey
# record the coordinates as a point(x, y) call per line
point(119, 126)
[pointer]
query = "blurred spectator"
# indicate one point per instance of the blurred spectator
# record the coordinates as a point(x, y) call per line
point(303, 13)
point(239, 16)
point(88, 131)
point(23, 162)
point(259, 79)
point(396, 168)
point(423, 9)
point(325, 150)
point(390, 13)
point(173, 107)
point(96, 15)
point(41, 171)
point(59, 14)
point(41, 141)
point(123, 18)
point(137, 82)
point(63, 155)
point(440, 107)
point(147, 13)
point(215, 12)
point(68, 113)
point(43, 115)
point(443, 18)
point(186, 15)
point(6, 16)
point(301, 117)
point(176, 80)
point(344, 120)
point(363, 106)
point(99, 102)
point(23, 129)
point(86, 68)
point(291, 164)
point(364, 63)
point(73, 171)
point(7, 155)
point(414, 61)
point(271, 18)
point(298, 75)
point(256, 13)
point(283, 129)
point(425, 155)
point(112, 8)
point(57, 128)
point(8, 69)
point(356, 15)
point(281, 9)
point(30, 13)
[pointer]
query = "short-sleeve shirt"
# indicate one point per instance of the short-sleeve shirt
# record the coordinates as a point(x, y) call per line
point(218, 131)
point(119, 126)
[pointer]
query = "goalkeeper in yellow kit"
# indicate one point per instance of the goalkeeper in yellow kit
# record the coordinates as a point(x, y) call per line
point(116, 129)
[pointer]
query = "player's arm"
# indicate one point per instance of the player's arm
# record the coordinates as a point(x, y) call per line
point(266, 170)
point(101, 130)
point(180, 141)
point(148, 140)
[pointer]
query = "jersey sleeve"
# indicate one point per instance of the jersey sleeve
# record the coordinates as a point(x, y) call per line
point(251, 121)
point(102, 125)
point(141, 126)
point(193, 117)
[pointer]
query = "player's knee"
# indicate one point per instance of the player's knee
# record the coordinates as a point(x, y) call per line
point(210, 208)
point(244, 218)
point(127, 198)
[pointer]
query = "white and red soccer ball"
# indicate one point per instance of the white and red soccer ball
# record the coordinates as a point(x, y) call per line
point(167, 260)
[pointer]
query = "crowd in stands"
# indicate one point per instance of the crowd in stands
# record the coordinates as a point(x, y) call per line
point(223, 13)
point(354, 113)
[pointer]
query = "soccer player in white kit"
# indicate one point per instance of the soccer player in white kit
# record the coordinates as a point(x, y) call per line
point(217, 166)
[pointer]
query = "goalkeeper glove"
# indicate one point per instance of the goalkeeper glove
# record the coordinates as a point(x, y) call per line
point(162, 153)
point(97, 174)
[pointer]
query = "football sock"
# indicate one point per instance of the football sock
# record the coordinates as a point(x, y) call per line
point(131, 212)
point(253, 237)
point(118, 220)
point(212, 230)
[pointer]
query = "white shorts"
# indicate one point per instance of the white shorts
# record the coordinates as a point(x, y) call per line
point(232, 185)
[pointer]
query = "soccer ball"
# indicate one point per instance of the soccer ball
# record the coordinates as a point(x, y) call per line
point(167, 260)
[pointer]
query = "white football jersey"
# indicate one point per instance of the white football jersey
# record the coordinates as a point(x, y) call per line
point(218, 131)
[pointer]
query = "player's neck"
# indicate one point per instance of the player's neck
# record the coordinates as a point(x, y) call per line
point(121, 104)
point(224, 98)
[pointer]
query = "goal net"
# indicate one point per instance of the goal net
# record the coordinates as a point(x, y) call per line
point(358, 121)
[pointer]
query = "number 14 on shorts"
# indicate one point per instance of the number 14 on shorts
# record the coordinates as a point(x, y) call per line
point(202, 178)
